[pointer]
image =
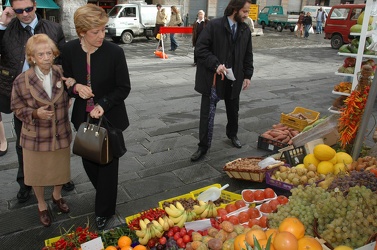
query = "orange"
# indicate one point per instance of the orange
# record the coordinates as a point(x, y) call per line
point(273, 232)
point(140, 247)
point(258, 233)
point(263, 244)
point(239, 242)
point(126, 248)
point(294, 226)
point(309, 243)
point(285, 241)
point(111, 248)
point(124, 241)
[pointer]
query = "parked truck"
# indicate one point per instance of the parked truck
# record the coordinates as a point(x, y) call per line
point(127, 21)
point(273, 16)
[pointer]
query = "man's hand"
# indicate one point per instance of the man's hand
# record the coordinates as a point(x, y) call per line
point(7, 16)
point(245, 84)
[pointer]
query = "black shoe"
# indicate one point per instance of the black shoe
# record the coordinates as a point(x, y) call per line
point(5, 151)
point(198, 154)
point(69, 186)
point(23, 194)
point(236, 142)
point(101, 222)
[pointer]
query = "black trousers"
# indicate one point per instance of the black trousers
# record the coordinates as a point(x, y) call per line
point(20, 174)
point(232, 108)
point(105, 180)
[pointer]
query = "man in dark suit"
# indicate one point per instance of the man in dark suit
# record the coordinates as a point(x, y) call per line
point(224, 43)
point(14, 33)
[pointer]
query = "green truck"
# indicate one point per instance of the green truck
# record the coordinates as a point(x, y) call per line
point(274, 16)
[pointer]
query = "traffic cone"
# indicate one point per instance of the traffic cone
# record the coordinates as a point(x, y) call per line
point(160, 54)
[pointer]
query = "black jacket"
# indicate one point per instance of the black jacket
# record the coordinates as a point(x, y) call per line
point(307, 20)
point(13, 40)
point(214, 47)
point(110, 80)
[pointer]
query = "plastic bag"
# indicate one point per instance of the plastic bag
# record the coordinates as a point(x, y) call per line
point(311, 30)
point(296, 27)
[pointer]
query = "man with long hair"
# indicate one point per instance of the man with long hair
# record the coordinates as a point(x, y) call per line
point(223, 45)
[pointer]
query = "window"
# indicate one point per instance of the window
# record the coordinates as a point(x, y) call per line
point(340, 13)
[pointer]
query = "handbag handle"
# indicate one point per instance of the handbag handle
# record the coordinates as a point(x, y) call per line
point(92, 126)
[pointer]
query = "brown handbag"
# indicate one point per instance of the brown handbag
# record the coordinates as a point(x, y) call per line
point(92, 142)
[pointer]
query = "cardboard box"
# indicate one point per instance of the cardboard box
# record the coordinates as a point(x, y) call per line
point(331, 138)
point(309, 146)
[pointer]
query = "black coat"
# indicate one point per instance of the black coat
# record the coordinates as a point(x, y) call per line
point(214, 47)
point(110, 80)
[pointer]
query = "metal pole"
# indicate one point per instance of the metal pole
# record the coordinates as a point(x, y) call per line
point(365, 118)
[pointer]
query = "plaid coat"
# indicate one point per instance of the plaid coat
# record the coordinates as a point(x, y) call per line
point(28, 95)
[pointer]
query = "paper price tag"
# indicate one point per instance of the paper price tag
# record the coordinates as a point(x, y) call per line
point(95, 244)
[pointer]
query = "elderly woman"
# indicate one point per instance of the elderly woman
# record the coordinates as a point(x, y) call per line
point(40, 101)
point(103, 83)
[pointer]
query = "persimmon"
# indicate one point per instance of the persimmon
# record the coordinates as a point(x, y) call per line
point(285, 241)
point(258, 233)
point(309, 243)
point(294, 226)
point(239, 242)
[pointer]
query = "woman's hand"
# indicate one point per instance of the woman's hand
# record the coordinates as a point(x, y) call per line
point(97, 112)
point(84, 91)
point(44, 114)
point(69, 82)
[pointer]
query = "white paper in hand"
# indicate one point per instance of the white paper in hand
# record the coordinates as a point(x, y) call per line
point(229, 74)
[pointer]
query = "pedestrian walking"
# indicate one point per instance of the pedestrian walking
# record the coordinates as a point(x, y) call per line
point(197, 28)
point(321, 19)
point(307, 22)
point(225, 44)
point(300, 25)
point(40, 101)
point(14, 33)
point(161, 19)
point(175, 20)
point(102, 84)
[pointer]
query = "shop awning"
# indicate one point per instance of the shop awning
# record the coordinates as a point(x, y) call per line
point(41, 4)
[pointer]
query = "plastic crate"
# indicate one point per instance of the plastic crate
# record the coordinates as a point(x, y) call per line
point(270, 145)
point(294, 156)
point(227, 196)
point(49, 242)
point(297, 123)
point(131, 217)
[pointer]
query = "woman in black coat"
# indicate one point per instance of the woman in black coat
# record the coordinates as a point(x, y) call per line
point(102, 84)
point(307, 24)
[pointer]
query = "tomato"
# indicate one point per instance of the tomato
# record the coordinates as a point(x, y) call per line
point(234, 220)
point(189, 233)
point(248, 195)
point(259, 195)
point(253, 212)
point(200, 231)
point(374, 171)
point(162, 240)
point(183, 232)
point(170, 233)
point(182, 245)
point(186, 238)
point(263, 221)
point(221, 211)
point(243, 217)
point(177, 236)
point(176, 229)
point(205, 232)
point(282, 199)
point(253, 222)
point(179, 241)
point(265, 208)
point(230, 208)
point(240, 203)
point(274, 204)
point(151, 243)
point(269, 193)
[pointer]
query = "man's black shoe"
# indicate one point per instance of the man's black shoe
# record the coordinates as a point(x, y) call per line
point(236, 142)
point(23, 194)
point(101, 222)
point(198, 154)
point(69, 186)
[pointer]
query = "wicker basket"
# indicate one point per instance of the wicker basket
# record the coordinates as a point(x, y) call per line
point(247, 172)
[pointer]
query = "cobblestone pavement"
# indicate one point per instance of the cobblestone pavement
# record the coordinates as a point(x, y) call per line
point(164, 111)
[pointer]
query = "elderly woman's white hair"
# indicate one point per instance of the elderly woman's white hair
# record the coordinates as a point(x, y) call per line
point(201, 11)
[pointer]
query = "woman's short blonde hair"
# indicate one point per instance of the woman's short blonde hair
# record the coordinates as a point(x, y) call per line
point(36, 40)
point(88, 17)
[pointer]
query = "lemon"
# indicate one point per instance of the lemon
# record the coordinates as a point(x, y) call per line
point(325, 167)
point(300, 166)
point(310, 159)
point(343, 157)
point(339, 167)
point(343, 248)
point(334, 160)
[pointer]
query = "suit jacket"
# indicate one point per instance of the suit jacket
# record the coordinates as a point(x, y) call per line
point(110, 80)
point(215, 46)
point(28, 95)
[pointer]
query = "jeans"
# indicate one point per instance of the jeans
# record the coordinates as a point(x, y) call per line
point(307, 27)
point(319, 27)
point(173, 43)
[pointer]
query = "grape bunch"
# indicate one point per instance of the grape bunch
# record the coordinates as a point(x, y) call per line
point(354, 178)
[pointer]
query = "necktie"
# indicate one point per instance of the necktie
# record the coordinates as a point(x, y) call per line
point(233, 31)
point(28, 28)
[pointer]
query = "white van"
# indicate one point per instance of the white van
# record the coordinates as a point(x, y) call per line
point(313, 11)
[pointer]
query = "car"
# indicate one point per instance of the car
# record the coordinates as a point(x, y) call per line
point(339, 21)
point(313, 11)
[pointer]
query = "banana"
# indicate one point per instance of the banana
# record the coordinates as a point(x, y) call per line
point(214, 211)
point(170, 222)
point(173, 207)
point(152, 231)
point(146, 238)
point(202, 203)
point(156, 232)
point(176, 219)
point(157, 226)
point(142, 225)
point(191, 215)
point(164, 222)
point(181, 223)
point(173, 213)
point(140, 233)
point(146, 221)
point(179, 205)
point(209, 215)
point(204, 214)
point(199, 209)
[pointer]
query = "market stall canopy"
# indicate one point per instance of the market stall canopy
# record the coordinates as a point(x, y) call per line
point(41, 4)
